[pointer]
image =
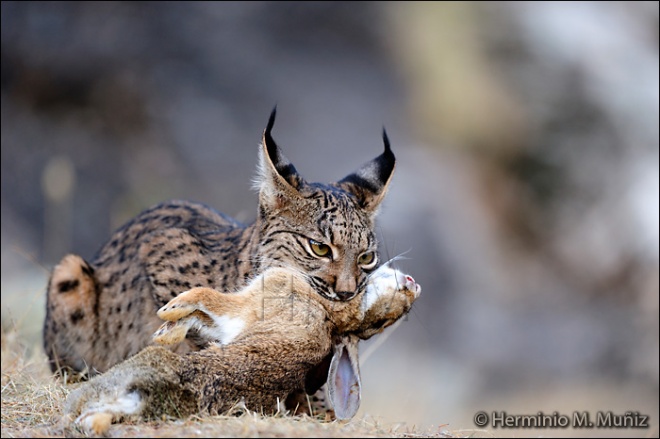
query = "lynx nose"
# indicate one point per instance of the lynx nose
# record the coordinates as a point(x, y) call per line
point(345, 287)
point(345, 295)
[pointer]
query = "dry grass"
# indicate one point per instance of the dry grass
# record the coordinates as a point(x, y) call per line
point(32, 403)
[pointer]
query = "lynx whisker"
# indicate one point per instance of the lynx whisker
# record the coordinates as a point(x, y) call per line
point(400, 257)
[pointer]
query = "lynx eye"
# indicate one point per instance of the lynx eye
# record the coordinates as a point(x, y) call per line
point(319, 248)
point(367, 260)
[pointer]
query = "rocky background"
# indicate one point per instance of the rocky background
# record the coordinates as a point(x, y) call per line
point(525, 197)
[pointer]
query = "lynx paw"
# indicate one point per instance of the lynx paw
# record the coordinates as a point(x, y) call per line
point(316, 405)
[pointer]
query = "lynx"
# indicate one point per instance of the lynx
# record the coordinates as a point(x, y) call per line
point(102, 312)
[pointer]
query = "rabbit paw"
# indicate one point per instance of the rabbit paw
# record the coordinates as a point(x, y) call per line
point(97, 417)
point(172, 332)
point(203, 309)
point(183, 305)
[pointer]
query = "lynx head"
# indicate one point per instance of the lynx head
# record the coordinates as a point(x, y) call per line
point(324, 231)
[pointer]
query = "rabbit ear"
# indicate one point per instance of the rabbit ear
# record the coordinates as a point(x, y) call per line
point(344, 387)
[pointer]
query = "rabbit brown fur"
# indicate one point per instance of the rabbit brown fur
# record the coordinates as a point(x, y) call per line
point(263, 342)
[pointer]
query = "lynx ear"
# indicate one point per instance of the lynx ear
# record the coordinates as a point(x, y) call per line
point(369, 183)
point(344, 387)
point(278, 178)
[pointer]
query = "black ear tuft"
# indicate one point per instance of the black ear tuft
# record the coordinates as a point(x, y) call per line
point(386, 160)
point(282, 165)
point(370, 182)
point(268, 138)
point(386, 141)
point(278, 180)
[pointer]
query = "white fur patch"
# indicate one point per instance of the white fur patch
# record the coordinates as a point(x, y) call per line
point(381, 282)
point(386, 280)
point(225, 330)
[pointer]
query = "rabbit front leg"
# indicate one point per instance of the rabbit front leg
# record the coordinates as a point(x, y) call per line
point(221, 318)
point(217, 317)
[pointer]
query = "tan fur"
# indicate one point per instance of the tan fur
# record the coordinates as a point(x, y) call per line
point(289, 330)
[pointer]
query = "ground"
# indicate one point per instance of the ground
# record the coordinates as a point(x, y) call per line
point(32, 404)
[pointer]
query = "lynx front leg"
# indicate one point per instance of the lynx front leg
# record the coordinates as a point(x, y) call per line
point(316, 405)
point(216, 316)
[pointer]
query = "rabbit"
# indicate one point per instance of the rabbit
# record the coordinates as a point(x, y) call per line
point(261, 343)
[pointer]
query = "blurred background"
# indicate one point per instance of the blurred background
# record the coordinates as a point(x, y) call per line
point(525, 196)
